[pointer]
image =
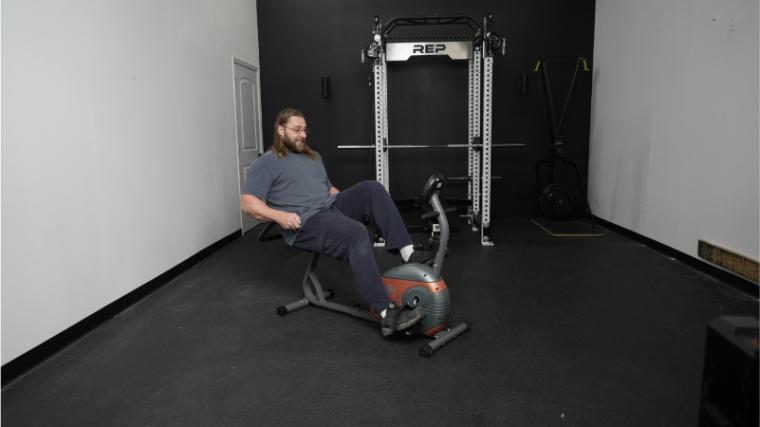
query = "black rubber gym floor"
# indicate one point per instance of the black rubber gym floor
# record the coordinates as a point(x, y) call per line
point(566, 331)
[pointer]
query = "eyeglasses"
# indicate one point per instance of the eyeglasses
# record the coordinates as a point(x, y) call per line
point(298, 130)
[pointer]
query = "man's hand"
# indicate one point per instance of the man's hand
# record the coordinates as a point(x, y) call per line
point(256, 208)
point(288, 221)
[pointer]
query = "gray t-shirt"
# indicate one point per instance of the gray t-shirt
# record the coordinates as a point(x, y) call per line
point(294, 183)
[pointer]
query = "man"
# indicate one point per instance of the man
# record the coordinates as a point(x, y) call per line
point(289, 185)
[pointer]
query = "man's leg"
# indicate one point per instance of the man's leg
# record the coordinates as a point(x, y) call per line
point(331, 233)
point(369, 200)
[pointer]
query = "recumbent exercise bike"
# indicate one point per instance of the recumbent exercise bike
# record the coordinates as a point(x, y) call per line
point(408, 285)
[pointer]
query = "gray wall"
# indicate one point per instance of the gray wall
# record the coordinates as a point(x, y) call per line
point(118, 149)
point(674, 128)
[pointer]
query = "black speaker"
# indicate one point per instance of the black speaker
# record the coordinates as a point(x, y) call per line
point(522, 84)
point(325, 87)
point(729, 378)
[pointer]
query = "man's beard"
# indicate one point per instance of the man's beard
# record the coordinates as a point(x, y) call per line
point(293, 145)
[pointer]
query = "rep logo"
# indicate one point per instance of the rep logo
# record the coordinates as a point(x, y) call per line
point(428, 48)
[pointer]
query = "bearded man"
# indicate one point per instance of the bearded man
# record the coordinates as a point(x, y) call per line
point(289, 185)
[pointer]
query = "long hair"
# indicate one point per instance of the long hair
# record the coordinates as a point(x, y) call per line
point(278, 146)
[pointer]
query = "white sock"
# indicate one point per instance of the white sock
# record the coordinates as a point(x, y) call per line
point(406, 252)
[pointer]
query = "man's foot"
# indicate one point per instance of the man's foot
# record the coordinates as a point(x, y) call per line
point(399, 318)
point(421, 257)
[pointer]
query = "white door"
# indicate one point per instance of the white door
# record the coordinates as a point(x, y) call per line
point(248, 123)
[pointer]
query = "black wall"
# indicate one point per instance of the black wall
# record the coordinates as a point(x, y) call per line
point(301, 41)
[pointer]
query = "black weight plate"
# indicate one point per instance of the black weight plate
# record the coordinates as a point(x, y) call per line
point(557, 202)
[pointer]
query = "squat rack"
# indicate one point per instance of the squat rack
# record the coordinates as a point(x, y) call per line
point(478, 49)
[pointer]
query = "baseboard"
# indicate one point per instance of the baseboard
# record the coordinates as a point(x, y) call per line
point(38, 354)
point(735, 281)
point(727, 259)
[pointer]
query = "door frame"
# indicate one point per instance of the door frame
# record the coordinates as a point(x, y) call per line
point(260, 142)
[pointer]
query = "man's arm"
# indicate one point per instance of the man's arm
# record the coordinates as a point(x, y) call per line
point(334, 191)
point(255, 207)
